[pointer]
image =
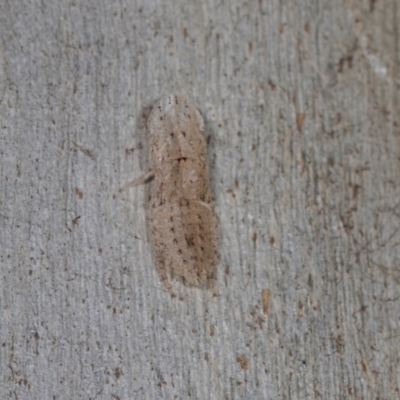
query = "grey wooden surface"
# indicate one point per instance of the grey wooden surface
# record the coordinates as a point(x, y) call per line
point(301, 102)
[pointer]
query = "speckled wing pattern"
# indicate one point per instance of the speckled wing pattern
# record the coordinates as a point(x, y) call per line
point(183, 225)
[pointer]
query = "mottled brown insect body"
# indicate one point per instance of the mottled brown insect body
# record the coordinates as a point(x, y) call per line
point(183, 225)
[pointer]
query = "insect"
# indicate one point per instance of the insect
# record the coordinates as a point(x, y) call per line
point(183, 225)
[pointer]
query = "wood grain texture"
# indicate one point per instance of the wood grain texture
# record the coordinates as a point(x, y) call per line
point(301, 108)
